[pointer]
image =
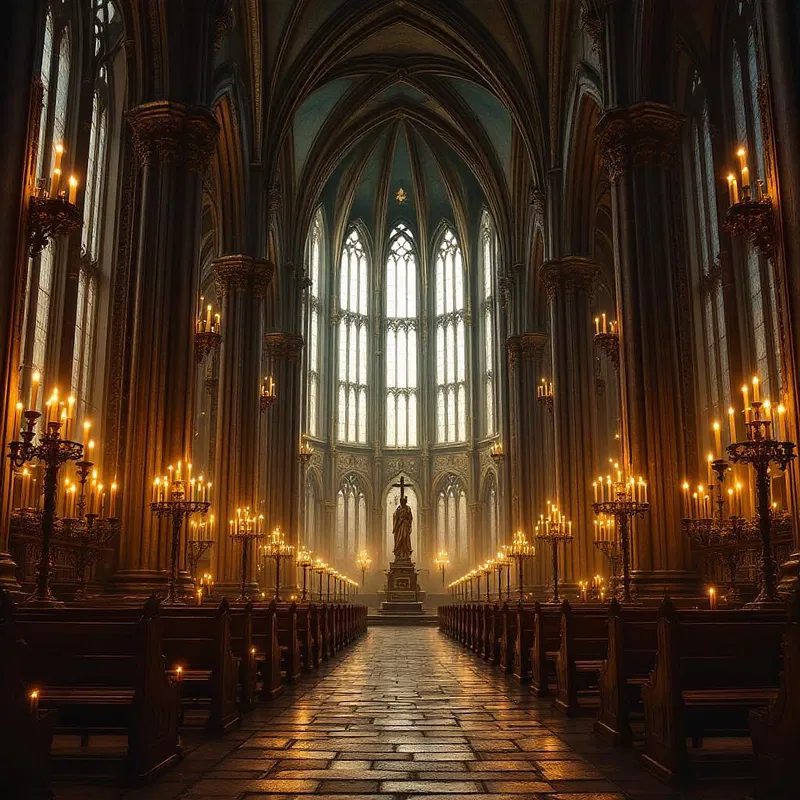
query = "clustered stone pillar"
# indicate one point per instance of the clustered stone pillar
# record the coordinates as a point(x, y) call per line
point(281, 469)
point(240, 282)
point(639, 145)
point(531, 439)
point(568, 283)
point(173, 143)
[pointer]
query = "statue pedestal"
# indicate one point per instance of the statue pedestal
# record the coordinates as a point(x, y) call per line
point(403, 595)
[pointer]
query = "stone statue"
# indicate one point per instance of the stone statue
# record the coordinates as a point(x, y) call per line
point(401, 527)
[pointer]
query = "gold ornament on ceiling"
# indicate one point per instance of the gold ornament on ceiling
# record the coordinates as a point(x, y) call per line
point(401, 195)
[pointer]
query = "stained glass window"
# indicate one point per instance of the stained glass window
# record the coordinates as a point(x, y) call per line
point(489, 245)
point(402, 398)
point(353, 332)
point(451, 372)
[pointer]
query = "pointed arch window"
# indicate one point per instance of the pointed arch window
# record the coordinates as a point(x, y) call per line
point(491, 512)
point(759, 279)
point(314, 256)
point(351, 519)
point(451, 370)
point(312, 517)
point(392, 502)
point(402, 399)
point(353, 334)
point(704, 224)
point(488, 265)
point(451, 519)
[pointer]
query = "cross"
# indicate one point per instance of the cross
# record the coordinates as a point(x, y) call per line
point(401, 486)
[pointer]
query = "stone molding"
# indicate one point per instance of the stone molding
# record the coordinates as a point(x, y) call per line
point(525, 347)
point(570, 274)
point(284, 345)
point(241, 273)
point(646, 133)
point(164, 132)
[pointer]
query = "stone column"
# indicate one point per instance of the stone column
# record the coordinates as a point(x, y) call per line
point(22, 96)
point(639, 145)
point(568, 283)
point(173, 144)
point(240, 282)
point(280, 502)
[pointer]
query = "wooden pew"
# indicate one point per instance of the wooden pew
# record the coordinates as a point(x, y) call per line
point(582, 649)
point(775, 730)
point(103, 671)
point(631, 657)
point(25, 735)
point(325, 635)
point(546, 642)
point(244, 650)
point(268, 650)
point(523, 643)
point(198, 639)
point(305, 635)
point(711, 670)
point(291, 664)
point(508, 638)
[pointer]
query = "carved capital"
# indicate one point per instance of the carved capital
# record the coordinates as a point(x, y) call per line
point(591, 24)
point(531, 346)
point(284, 345)
point(644, 134)
point(165, 132)
point(241, 273)
point(571, 274)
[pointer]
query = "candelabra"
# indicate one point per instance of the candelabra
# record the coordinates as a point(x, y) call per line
point(556, 529)
point(612, 552)
point(497, 453)
point(52, 451)
point(305, 452)
point(245, 529)
point(268, 394)
point(363, 562)
point(544, 394)
point(304, 561)
point(170, 500)
point(520, 550)
point(92, 534)
point(50, 217)
point(503, 562)
point(760, 450)
point(624, 500)
point(277, 548)
point(319, 567)
point(606, 337)
point(207, 333)
point(442, 562)
point(201, 540)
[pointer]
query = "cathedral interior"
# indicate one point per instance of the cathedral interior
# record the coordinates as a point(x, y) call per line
point(399, 399)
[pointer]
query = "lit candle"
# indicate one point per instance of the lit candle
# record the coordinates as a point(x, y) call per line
point(87, 426)
point(717, 439)
point(780, 435)
point(745, 399)
point(597, 325)
point(594, 486)
point(755, 389)
point(216, 323)
point(604, 323)
point(36, 379)
point(199, 597)
point(73, 189)
point(712, 599)
point(55, 184)
point(34, 698)
point(733, 190)
point(732, 423)
point(113, 508)
point(687, 499)
point(208, 317)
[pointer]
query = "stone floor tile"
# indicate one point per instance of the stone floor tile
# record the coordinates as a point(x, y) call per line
point(426, 787)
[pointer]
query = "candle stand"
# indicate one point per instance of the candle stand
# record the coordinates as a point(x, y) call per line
point(520, 551)
point(177, 508)
point(277, 549)
point(305, 562)
point(245, 530)
point(442, 562)
point(555, 531)
point(92, 534)
point(53, 452)
point(607, 339)
point(503, 562)
point(626, 504)
point(204, 343)
point(760, 450)
point(195, 550)
point(363, 562)
point(613, 554)
point(50, 217)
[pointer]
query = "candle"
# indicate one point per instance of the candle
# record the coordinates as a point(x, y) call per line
point(55, 184)
point(597, 325)
point(717, 439)
point(113, 507)
point(208, 317)
point(604, 323)
point(216, 323)
point(755, 389)
point(594, 486)
point(687, 499)
point(87, 426)
point(179, 674)
point(745, 399)
point(712, 599)
point(779, 434)
point(36, 379)
point(34, 701)
point(73, 189)
point(733, 190)
point(732, 424)
point(199, 597)
point(743, 169)
point(59, 154)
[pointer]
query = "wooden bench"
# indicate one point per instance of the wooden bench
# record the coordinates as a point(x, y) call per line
point(711, 671)
point(198, 639)
point(508, 638)
point(523, 643)
point(268, 651)
point(25, 735)
point(582, 649)
point(546, 642)
point(775, 730)
point(291, 664)
point(631, 657)
point(103, 671)
point(244, 650)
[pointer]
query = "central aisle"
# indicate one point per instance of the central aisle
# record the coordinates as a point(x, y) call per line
point(408, 713)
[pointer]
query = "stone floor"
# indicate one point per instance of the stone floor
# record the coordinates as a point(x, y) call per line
point(406, 713)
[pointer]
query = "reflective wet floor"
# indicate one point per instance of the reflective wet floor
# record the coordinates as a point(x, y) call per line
point(407, 713)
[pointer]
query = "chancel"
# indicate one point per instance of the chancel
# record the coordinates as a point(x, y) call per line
point(399, 398)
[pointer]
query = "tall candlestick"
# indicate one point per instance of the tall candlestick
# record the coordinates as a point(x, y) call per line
point(733, 190)
point(745, 399)
point(732, 424)
point(755, 389)
point(73, 189)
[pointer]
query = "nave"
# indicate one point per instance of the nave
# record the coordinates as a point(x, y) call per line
point(405, 713)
